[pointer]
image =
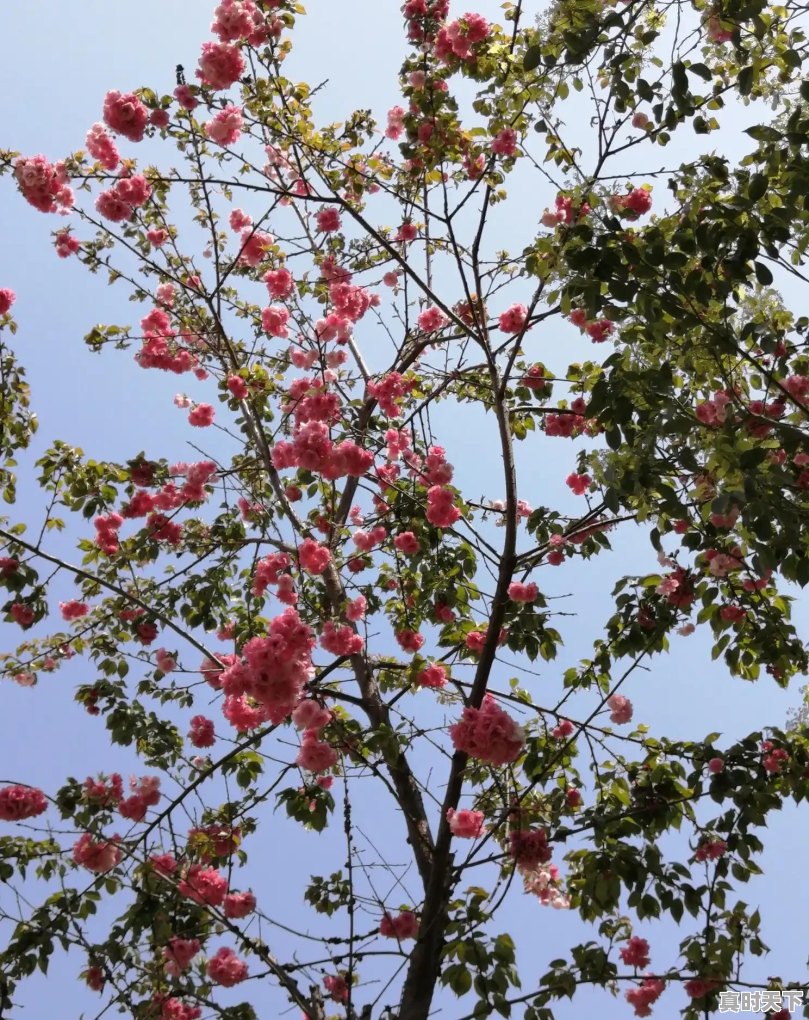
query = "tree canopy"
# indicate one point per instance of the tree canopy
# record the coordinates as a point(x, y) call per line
point(312, 625)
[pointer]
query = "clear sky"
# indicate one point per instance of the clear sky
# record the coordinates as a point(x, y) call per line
point(59, 61)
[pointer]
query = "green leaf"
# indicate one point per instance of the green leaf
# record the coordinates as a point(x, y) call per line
point(532, 58)
point(763, 274)
point(757, 187)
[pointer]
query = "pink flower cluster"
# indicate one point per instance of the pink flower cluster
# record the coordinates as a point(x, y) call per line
point(476, 639)
point(238, 905)
point(328, 220)
point(175, 1009)
point(401, 926)
point(598, 329)
point(179, 953)
point(488, 734)
point(518, 592)
point(201, 416)
point(644, 996)
point(171, 497)
point(433, 675)
point(620, 709)
point(567, 425)
point(107, 526)
point(711, 850)
point(407, 543)
point(98, 856)
point(73, 610)
point(714, 31)
point(126, 115)
point(545, 884)
point(337, 987)
point(578, 484)
point(7, 299)
point(273, 673)
point(204, 885)
point(409, 640)
point(636, 952)
point(239, 19)
point(225, 127)
point(388, 391)
point(315, 755)
point(254, 246)
point(529, 848)
point(395, 125)
point(202, 732)
point(431, 320)
point(698, 988)
point(220, 65)
point(465, 824)
point(340, 639)
point(20, 802)
point(101, 147)
point(774, 757)
point(565, 212)
point(145, 794)
point(274, 321)
point(21, 614)
point(226, 969)
point(637, 202)
point(120, 201)
point(458, 38)
point(714, 412)
point(505, 144)
point(441, 509)
point(513, 319)
point(280, 283)
point(313, 557)
point(271, 571)
point(44, 185)
point(313, 450)
point(104, 792)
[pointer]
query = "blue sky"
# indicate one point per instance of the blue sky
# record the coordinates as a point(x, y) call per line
point(52, 84)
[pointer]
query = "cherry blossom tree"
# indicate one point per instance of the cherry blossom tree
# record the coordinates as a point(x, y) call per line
point(311, 625)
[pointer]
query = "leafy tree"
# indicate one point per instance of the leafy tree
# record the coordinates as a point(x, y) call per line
point(349, 613)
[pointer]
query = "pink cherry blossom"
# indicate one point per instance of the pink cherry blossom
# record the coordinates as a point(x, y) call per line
point(620, 708)
point(97, 856)
point(328, 220)
point(201, 415)
point(465, 824)
point(101, 147)
point(202, 732)
point(44, 185)
point(645, 995)
point(513, 319)
point(505, 143)
point(204, 885)
point(126, 115)
point(237, 905)
point(636, 952)
point(220, 65)
point(337, 987)
point(225, 127)
point(401, 926)
point(225, 968)
point(488, 734)
point(179, 953)
point(20, 802)
point(434, 675)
